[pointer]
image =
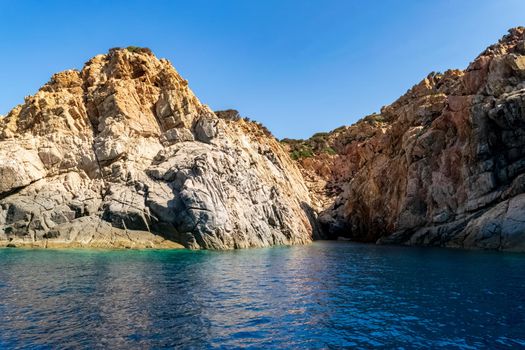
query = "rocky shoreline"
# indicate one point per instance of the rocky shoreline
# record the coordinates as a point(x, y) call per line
point(88, 233)
point(122, 154)
point(444, 165)
point(124, 145)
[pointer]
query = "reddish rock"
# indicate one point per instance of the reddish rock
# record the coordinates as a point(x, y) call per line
point(443, 165)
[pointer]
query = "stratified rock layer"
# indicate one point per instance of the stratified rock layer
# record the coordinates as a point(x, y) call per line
point(444, 165)
point(122, 154)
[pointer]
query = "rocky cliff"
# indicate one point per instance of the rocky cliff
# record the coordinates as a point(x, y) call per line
point(122, 154)
point(444, 165)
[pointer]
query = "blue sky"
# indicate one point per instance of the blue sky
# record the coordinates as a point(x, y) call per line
point(297, 66)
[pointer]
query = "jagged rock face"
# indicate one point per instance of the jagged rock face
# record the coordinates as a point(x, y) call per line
point(122, 151)
point(444, 165)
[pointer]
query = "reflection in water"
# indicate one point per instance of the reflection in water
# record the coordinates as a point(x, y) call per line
point(325, 295)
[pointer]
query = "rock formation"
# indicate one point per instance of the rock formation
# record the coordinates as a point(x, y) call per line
point(444, 165)
point(122, 154)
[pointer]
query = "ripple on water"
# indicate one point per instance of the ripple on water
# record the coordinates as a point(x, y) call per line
point(325, 295)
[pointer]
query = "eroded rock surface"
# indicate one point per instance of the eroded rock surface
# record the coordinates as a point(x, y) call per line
point(444, 165)
point(122, 154)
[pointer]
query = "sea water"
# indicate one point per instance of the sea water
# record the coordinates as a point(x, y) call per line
point(323, 295)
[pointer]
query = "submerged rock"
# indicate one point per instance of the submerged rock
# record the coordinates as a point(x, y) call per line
point(123, 154)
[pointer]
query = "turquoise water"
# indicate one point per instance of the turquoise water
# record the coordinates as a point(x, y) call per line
point(325, 295)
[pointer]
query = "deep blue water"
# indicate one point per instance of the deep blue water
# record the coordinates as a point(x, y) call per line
point(324, 295)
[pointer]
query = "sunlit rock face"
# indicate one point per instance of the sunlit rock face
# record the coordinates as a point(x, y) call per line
point(443, 165)
point(123, 154)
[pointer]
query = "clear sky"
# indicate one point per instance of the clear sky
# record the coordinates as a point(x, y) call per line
point(299, 67)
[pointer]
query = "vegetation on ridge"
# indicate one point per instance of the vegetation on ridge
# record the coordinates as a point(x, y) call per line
point(134, 49)
point(235, 116)
point(138, 49)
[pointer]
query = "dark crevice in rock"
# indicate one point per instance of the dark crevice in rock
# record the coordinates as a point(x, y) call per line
point(16, 190)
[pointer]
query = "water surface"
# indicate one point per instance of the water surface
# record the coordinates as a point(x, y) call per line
point(324, 295)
